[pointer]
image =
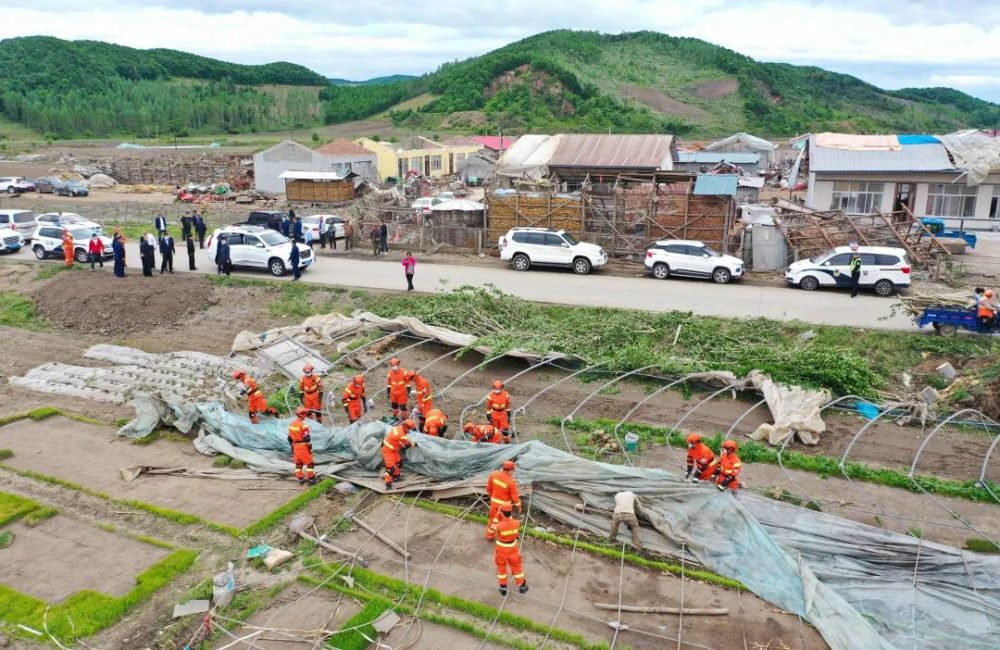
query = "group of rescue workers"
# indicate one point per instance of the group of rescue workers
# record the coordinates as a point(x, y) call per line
point(501, 527)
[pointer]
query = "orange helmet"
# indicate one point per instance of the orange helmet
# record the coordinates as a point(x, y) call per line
point(730, 445)
point(308, 369)
point(394, 361)
point(409, 374)
point(409, 424)
point(694, 439)
point(239, 374)
point(497, 385)
point(359, 379)
point(468, 428)
point(302, 411)
point(508, 465)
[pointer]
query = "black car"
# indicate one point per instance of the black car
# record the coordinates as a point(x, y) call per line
point(72, 188)
point(46, 185)
point(267, 218)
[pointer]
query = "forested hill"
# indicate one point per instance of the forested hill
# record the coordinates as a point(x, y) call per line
point(89, 88)
point(646, 81)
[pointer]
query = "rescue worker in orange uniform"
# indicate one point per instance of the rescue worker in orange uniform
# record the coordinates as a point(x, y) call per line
point(256, 401)
point(311, 386)
point(67, 245)
point(302, 449)
point(422, 392)
point(727, 468)
point(482, 433)
point(502, 489)
point(395, 442)
point(355, 401)
point(700, 459)
point(507, 552)
point(498, 409)
point(436, 423)
point(395, 389)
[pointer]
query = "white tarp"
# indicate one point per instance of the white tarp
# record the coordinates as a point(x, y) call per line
point(529, 157)
point(974, 152)
point(796, 411)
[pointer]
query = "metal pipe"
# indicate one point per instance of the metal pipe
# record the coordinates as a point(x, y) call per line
point(524, 407)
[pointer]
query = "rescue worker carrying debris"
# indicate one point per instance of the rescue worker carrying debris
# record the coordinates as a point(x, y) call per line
point(498, 409)
point(256, 401)
point(482, 433)
point(302, 449)
point(727, 467)
point(355, 401)
point(395, 442)
point(67, 245)
point(422, 392)
point(507, 552)
point(312, 393)
point(700, 459)
point(624, 513)
point(436, 423)
point(395, 389)
point(502, 489)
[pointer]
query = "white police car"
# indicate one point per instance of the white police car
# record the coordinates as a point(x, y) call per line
point(883, 270)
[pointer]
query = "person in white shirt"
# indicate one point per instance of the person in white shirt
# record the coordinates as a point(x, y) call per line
point(624, 513)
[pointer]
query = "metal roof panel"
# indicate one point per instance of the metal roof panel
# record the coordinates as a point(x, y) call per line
point(910, 158)
point(638, 151)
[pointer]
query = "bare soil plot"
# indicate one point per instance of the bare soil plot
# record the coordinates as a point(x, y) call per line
point(716, 89)
point(61, 556)
point(657, 101)
point(564, 584)
point(91, 456)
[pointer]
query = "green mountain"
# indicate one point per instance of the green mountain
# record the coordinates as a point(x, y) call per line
point(89, 88)
point(374, 81)
point(646, 81)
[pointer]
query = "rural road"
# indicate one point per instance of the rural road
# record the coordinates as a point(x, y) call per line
point(736, 300)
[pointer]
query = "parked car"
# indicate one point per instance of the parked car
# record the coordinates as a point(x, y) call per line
point(46, 185)
point(10, 240)
point(65, 219)
point(334, 224)
point(71, 188)
point(692, 259)
point(15, 185)
point(883, 270)
point(22, 221)
point(257, 247)
point(527, 247)
point(423, 205)
point(266, 219)
point(48, 241)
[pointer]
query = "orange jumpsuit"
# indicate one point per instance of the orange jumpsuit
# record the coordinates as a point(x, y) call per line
point(392, 453)
point(312, 395)
point(67, 244)
point(486, 433)
point(425, 402)
point(498, 412)
point(507, 553)
point(700, 461)
point(436, 423)
point(396, 392)
point(502, 489)
point(354, 401)
point(302, 455)
point(728, 470)
point(256, 401)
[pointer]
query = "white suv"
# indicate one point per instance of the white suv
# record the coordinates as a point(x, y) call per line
point(23, 221)
point(691, 259)
point(48, 241)
point(524, 247)
point(883, 269)
point(259, 248)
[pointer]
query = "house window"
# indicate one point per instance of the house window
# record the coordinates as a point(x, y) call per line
point(995, 203)
point(413, 164)
point(435, 163)
point(951, 200)
point(459, 157)
point(854, 197)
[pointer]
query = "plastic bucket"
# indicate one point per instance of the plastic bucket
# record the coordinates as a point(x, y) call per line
point(631, 442)
point(867, 410)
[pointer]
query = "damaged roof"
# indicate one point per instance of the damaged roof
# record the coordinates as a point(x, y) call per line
point(647, 152)
point(906, 158)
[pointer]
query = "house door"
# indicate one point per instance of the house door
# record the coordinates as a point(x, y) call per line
point(427, 165)
point(904, 197)
point(451, 164)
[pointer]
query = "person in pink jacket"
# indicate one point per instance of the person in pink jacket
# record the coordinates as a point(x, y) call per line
point(409, 263)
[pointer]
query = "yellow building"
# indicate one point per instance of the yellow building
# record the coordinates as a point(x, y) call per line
point(418, 155)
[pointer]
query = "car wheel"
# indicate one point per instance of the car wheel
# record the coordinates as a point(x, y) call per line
point(809, 283)
point(80, 256)
point(39, 252)
point(661, 271)
point(884, 288)
point(581, 266)
point(520, 262)
point(721, 275)
point(11, 190)
point(947, 329)
point(277, 267)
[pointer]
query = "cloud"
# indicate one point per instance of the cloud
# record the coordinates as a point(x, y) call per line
point(369, 39)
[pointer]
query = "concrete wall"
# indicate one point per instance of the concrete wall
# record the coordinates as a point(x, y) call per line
point(384, 156)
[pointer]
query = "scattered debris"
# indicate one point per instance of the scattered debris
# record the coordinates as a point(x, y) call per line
point(687, 611)
point(384, 623)
point(258, 551)
point(603, 442)
point(276, 557)
point(947, 371)
point(929, 395)
point(192, 607)
point(388, 542)
point(345, 488)
point(223, 585)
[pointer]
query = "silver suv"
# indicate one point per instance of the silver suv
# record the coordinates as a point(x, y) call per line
point(21, 221)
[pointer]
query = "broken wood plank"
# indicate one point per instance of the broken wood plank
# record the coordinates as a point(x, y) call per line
point(687, 611)
point(388, 542)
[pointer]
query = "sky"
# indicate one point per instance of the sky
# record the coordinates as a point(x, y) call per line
point(890, 43)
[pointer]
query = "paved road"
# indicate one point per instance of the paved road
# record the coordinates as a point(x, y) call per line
point(556, 286)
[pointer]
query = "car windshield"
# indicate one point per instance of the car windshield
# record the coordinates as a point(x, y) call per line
point(272, 238)
point(85, 233)
point(816, 259)
point(68, 218)
point(570, 239)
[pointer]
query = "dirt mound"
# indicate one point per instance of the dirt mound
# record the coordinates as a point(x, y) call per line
point(99, 303)
point(657, 101)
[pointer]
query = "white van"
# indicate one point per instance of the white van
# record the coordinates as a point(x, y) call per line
point(22, 221)
point(883, 270)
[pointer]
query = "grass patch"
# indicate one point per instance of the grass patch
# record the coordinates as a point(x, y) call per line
point(603, 549)
point(14, 507)
point(356, 631)
point(268, 521)
point(752, 451)
point(5, 454)
point(39, 515)
point(980, 545)
point(90, 611)
point(301, 301)
point(52, 270)
point(44, 412)
point(359, 294)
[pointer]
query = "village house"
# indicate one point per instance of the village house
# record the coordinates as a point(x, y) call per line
point(417, 155)
point(341, 157)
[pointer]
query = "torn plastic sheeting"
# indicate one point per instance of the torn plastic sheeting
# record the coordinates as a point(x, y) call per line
point(975, 153)
point(796, 411)
point(323, 329)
